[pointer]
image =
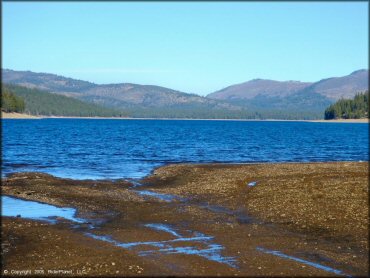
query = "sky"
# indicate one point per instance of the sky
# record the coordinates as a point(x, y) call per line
point(192, 47)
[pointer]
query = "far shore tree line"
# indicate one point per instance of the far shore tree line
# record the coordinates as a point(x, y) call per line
point(20, 99)
point(356, 108)
point(10, 102)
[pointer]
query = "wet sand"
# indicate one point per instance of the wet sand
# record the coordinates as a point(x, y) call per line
point(298, 219)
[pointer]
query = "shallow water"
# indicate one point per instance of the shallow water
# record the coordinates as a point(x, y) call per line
point(313, 264)
point(112, 149)
point(203, 244)
point(156, 195)
point(14, 207)
point(163, 227)
point(252, 184)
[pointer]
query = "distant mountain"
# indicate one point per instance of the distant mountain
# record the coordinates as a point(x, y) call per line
point(342, 87)
point(257, 98)
point(259, 88)
point(122, 96)
point(303, 96)
point(45, 81)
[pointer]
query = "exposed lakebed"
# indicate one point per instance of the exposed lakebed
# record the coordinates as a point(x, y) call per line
point(204, 245)
point(172, 229)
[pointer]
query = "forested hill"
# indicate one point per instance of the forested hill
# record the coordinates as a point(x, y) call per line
point(37, 102)
point(33, 101)
point(349, 108)
point(10, 102)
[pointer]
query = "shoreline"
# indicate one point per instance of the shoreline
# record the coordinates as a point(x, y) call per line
point(5, 115)
point(294, 208)
point(21, 116)
point(187, 164)
point(365, 121)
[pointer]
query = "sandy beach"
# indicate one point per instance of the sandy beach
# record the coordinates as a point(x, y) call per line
point(6, 115)
point(295, 219)
point(365, 121)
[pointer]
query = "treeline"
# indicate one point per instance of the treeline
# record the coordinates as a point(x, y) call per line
point(10, 102)
point(349, 108)
point(198, 113)
point(38, 102)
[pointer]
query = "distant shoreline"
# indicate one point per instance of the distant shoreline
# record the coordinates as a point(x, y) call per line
point(361, 121)
point(5, 115)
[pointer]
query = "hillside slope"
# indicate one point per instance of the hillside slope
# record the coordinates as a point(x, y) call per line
point(44, 81)
point(342, 87)
point(124, 95)
point(259, 87)
point(38, 102)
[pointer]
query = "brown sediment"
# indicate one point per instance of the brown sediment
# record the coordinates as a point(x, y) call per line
point(331, 198)
point(313, 211)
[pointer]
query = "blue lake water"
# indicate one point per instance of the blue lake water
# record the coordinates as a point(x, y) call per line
point(111, 149)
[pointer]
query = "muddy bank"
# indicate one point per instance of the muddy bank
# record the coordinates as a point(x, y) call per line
point(244, 220)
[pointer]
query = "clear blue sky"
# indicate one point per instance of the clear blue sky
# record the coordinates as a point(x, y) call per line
point(192, 47)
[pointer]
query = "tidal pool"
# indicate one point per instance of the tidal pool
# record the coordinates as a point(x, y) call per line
point(14, 207)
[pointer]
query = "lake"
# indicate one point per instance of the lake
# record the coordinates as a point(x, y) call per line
point(112, 149)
